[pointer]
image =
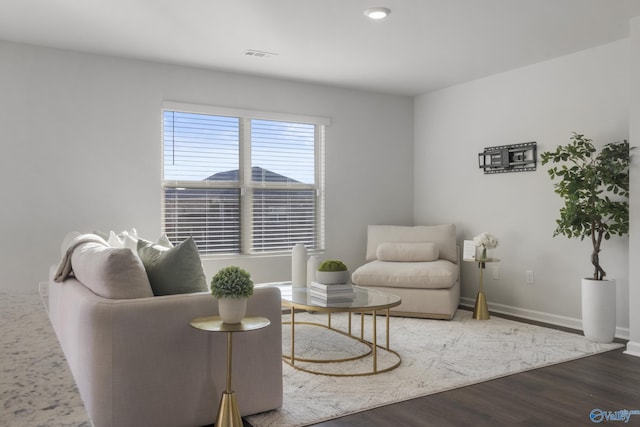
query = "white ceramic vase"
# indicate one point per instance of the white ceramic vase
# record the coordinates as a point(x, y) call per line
point(599, 310)
point(312, 266)
point(299, 266)
point(232, 310)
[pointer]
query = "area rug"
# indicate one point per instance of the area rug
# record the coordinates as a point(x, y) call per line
point(436, 356)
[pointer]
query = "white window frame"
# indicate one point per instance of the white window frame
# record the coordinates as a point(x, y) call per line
point(245, 184)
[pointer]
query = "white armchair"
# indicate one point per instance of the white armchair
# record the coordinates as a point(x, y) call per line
point(420, 264)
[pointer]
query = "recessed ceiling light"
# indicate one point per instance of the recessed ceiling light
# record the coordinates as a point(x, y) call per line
point(377, 12)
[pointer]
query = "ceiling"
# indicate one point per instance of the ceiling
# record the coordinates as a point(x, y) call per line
point(422, 46)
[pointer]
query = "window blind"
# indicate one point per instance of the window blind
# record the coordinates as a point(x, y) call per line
point(283, 153)
point(210, 216)
point(249, 183)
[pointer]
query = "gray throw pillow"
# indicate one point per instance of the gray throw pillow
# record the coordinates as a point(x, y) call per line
point(176, 270)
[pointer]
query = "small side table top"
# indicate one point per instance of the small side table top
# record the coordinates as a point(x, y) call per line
point(215, 324)
point(482, 261)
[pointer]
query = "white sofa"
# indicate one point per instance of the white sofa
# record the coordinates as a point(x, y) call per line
point(418, 263)
point(138, 362)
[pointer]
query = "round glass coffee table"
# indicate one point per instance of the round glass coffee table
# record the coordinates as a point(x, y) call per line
point(365, 301)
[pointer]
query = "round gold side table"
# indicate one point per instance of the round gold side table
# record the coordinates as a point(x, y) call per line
point(228, 412)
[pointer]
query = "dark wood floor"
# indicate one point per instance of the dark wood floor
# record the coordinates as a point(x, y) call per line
point(559, 395)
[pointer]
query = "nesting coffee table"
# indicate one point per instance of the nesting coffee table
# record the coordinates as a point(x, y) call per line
point(365, 301)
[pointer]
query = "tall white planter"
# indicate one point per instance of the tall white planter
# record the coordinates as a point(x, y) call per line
point(599, 309)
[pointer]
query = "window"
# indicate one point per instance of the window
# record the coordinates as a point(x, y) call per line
point(242, 182)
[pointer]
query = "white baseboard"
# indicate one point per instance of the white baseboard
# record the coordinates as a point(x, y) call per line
point(540, 316)
point(633, 349)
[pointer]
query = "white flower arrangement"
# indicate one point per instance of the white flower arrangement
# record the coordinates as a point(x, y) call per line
point(486, 241)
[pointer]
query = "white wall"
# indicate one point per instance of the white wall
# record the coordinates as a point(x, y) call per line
point(633, 347)
point(586, 92)
point(80, 137)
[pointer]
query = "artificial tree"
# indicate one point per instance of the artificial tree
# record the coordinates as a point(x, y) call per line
point(595, 189)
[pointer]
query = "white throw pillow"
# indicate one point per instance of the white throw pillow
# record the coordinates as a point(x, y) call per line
point(120, 240)
point(129, 239)
point(114, 273)
point(116, 241)
point(407, 252)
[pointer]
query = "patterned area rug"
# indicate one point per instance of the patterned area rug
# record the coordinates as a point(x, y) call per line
point(436, 356)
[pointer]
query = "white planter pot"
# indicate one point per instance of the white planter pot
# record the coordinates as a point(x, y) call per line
point(332, 277)
point(232, 310)
point(599, 309)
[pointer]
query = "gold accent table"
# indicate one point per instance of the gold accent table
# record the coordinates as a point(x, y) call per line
point(228, 412)
point(480, 310)
point(365, 301)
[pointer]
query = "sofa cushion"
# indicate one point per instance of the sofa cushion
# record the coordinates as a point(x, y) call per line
point(129, 239)
point(444, 236)
point(438, 274)
point(176, 270)
point(114, 273)
point(407, 252)
point(119, 240)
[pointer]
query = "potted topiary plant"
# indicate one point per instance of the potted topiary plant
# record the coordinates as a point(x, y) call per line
point(332, 272)
point(595, 189)
point(232, 286)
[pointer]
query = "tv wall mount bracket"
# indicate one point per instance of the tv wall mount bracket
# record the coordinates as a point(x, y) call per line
point(509, 158)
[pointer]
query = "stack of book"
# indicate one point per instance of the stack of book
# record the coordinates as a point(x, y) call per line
point(341, 292)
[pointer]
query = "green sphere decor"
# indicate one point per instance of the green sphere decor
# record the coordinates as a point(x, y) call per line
point(231, 282)
point(332, 265)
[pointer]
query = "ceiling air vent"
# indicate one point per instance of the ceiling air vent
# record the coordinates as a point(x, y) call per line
point(259, 53)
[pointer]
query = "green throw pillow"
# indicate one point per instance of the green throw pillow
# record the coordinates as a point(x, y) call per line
point(176, 270)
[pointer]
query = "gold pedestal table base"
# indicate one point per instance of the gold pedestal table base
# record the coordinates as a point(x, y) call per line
point(480, 310)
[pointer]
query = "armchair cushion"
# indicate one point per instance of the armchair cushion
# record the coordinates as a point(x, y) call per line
point(407, 252)
point(421, 275)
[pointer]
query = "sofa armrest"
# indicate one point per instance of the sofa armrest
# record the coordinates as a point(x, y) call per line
point(140, 359)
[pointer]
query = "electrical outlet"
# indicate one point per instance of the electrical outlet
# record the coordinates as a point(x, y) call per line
point(495, 272)
point(529, 276)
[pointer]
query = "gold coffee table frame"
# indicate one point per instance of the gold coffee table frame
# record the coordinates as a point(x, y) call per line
point(228, 412)
point(365, 301)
